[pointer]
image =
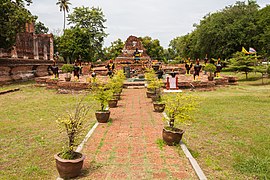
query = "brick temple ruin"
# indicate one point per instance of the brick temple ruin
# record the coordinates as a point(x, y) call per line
point(132, 43)
point(28, 58)
point(126, 58)
point(30, 45)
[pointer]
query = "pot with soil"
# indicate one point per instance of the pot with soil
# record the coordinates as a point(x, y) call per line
point(159, 106)
point(172, 136)
point(69, 168)
point(67, 79)
point(116, 96)
point(112, 103)
point(150, 94)
point(103, 116)
point(158, 103)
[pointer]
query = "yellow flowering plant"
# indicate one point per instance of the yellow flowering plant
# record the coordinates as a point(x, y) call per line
point(73, 123)
point(179, 107)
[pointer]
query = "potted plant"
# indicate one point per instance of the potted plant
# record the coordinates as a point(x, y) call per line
point(210, 68)
point(115, 85)
point(178, 109)
point(69, 162)
point(159, 104)
point(149, 76)
point(154, 87)
point(67, 68)
point(102, 94)
point(112, 103)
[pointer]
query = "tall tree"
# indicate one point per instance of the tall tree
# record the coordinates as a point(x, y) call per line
point(86, 35)
point(40, 28)
point(262, 38)
point(114, 50)
point(153, 47)
point(64, 6)
point(222, 33)
point(242, 62)
point(13, 16)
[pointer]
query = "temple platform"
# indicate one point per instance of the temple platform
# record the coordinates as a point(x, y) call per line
point(185, 82)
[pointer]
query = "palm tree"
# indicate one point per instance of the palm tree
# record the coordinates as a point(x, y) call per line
point(63, 4)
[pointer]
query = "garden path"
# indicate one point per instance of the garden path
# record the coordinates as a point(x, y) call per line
point(130, 146)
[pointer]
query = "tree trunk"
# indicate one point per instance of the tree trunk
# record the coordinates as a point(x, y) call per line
point(172, 121)
point(64, 19)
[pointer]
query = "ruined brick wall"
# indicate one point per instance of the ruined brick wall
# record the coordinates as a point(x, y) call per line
point(30, 45)
point(14, 70)
point(24, 45)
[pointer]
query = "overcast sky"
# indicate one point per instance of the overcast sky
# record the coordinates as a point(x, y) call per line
point(159, 19)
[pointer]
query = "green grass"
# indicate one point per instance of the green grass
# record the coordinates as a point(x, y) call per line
point(160, 143)
point(231, 131)
point(29, 134)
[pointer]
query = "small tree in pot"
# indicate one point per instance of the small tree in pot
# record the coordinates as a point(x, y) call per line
point(210, 68)
point(69, 162)
point(153, 84)
point(67, 68)
point(149, 76)
point(178, 109)
point(102, 94)
point(158, 103)
point(155, 88)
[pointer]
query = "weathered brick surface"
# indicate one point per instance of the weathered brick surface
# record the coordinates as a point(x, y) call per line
point(4, 71)
point(41, 71)
point(221, 81)
point(13, 70)
point(126, 148)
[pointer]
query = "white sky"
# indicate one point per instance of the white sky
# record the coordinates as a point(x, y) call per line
point(159, 19)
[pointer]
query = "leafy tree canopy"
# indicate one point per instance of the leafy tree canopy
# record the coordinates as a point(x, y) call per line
point(153, 47)
point(243, 63)
point(40, 28)
point(225, 32)
point(114, 50)
point(86, 36)
point(13, 16)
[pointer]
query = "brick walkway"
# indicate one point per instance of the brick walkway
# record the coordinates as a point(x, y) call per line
point(128, 148)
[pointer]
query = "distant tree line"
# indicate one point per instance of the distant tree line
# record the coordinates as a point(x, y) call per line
point(218, 34)
point(223, 33)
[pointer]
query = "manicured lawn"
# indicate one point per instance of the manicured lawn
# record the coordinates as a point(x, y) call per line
point(229, 138)
point(29, 134)
point(231, 135)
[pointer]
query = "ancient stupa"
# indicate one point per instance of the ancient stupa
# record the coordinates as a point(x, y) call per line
point(132, 43)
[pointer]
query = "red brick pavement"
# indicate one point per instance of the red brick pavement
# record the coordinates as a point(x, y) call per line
point(127, 148)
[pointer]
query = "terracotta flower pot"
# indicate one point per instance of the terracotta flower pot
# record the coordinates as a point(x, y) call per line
point(113, 103)
point(159, 107)
point(155, 98)
point(117, 96)
point(172, 137)
point(69, 168)
point(210, 78)
point(103, 116)
point(150, 94)
point(67, 79)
